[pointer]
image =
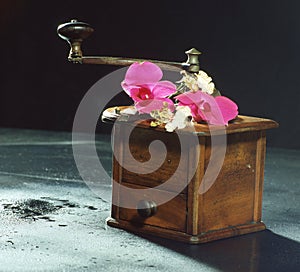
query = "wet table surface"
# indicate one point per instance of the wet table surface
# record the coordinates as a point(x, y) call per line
point(50, 220)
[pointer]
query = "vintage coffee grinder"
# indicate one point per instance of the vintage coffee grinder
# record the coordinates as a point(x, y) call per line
point(231, 206)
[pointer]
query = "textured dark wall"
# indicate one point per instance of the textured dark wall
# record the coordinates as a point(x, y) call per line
point(250, 48)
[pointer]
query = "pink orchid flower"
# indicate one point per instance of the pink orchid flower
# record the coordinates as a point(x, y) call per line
point(204, 107)
point(142, 83)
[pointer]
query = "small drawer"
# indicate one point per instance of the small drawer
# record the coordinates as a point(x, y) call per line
point(170, 215)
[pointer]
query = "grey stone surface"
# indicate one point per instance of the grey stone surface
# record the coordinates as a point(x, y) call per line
point(50, 220)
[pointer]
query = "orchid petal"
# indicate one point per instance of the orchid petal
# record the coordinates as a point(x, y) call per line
point(133, 93)
point(190, 98)
point(210, 110)
point(128, 88)
point(163, 89)
point(146, 106)
point(214, 116)
point(228, 108)
point(142, 73)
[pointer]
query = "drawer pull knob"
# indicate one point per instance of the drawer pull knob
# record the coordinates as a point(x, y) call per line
point(146, 208)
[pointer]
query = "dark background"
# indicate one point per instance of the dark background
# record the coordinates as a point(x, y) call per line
point(250, 48)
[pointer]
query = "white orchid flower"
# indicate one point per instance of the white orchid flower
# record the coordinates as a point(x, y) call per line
point(205, 82)
point(181, 119)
